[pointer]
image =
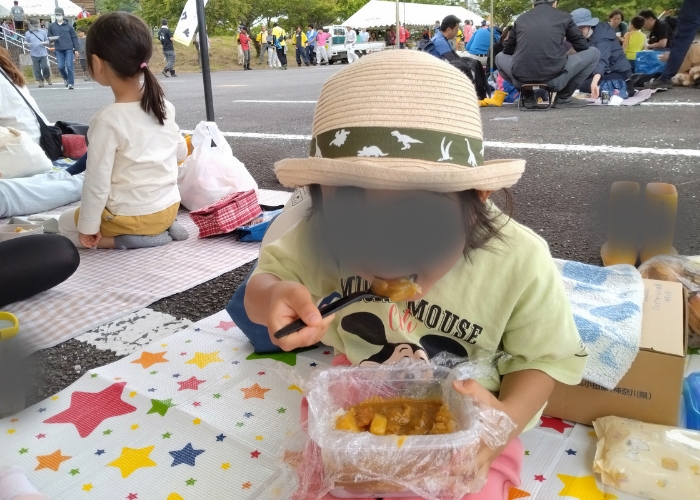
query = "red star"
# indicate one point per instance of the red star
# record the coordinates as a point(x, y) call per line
point(89, 409)
point(196, 403)
point(132, 496)
point(247, 485)
point(554, 423)
point(40, 436)
point(226, 325)
point(183, 354)
point(540, 478)
point(261, 373)
point(326, 352)
point(190, 383)
point(254, 454)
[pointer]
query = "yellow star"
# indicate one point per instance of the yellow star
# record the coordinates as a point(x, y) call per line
point(234, 348)
point(259, 438)
point(254, 391)
point(132, 459)
point(150, 358)
point(132, 394)
point(295, 388)
point(14, 420)
point(196, 421)
point(582, 488)
point(226, 466)
point(174, 496)
point(592, 434)
point(695, 469)
point(54, 398)
point(52, 461)
point(164, 345)
point(226, 376)
point(87, 487)
point(11, 431)
point(276, 491)
point(134, 427)
point(202, 359)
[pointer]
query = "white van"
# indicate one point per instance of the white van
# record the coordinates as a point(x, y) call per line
point(336, 45)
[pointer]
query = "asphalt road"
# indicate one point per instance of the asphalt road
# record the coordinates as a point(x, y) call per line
point(562, 195)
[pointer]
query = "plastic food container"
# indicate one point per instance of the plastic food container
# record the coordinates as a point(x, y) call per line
point(9, 231)
point(691, 401)
point(361, 465)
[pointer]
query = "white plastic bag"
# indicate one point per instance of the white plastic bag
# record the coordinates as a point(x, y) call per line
point(211, 171)
point(20, 156)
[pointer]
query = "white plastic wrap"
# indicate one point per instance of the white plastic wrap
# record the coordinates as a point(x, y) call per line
point(362, 465)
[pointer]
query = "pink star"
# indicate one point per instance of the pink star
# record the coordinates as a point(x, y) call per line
point(326, 352)
point(554, 423)
point(183, 354)
point(89, 409)
point(540, 478)
point(196, 403)
point(226, 325)
point(132, 496)
point(40, 436)
point(261, 373)
point(254, 454)
point(190, 383)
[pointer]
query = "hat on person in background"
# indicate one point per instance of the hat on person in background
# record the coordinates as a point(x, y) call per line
point(58, 11)
point(368, 135)
point(583, 17)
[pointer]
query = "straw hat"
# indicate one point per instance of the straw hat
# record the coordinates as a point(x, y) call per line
point(399, 119)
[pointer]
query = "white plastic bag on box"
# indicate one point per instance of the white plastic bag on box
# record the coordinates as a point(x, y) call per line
point(20, 156)
point(211, 171)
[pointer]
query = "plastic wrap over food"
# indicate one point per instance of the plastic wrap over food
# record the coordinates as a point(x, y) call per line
point(685, 270)
point(350, 464)
point(647, 460)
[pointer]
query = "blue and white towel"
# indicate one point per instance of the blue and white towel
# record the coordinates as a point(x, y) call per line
point(607, 306)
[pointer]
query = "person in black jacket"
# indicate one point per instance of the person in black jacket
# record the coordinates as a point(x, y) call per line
point(166, 39)
point(64, 47)
point(534, 53)
point(613, 64)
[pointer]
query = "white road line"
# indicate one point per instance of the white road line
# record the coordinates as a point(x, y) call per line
point(569, 148)
point(660, 103)
point(670, 103)
point(276, 102)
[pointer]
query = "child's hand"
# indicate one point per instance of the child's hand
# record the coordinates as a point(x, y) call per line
point(288, 302)
point(90, 240)
point(485, 455)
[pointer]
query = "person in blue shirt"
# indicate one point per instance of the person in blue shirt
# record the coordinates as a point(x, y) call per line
point(439, 45)
point(311, 34)
point(478, 46)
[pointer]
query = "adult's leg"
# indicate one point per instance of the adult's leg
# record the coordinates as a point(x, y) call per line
point(297, 53)
point(68, 227)
point(246, 59)
point(282, 57)
point(579, 66)
point(38, 193)
point(170, 60)
point(310, 54)
point(688, 26)
point(79, 166)
point(45, 69)
point(504, 63)
point(61, 62)
point(271, 54)
point(172, 63)
point(36, 68)
point(324, 52)
point(70, 73)
point(33, 264)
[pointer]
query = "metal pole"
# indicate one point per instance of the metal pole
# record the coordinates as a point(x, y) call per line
point(204, 54)
point(398, 26)
point(492, 28)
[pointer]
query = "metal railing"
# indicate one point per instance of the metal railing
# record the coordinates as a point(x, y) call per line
point(18, 41)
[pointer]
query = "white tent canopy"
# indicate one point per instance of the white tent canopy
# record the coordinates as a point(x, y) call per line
point(378, 14)
point(3, 11)
point(43, 8)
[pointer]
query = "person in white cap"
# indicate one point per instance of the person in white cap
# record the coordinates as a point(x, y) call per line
point(401, 193)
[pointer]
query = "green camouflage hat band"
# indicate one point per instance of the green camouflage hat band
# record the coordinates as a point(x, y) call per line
point(405, 143)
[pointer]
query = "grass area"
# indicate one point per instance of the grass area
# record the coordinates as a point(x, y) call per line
point(223, 56)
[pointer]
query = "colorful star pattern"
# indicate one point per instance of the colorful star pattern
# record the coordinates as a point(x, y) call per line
point(202, 359)
point(226, 325)
point(255, 391)
point(295, 388)
point(38, 436)
point(540, 478)
point(74, 472)
point(554, 423)
point(149, 359)
point(186, 456)
point(255, 454)
point(167, 435)
point(132, 459)
point(132, 496)
point(52, 461)
point(582, 488)
point(190, 482)
point(226, 466)
point(160, 406)
point(570, 452)
point(196, 421)
point(220, 437)
point(89, 409)
point(281, 410)
point(515, 493)
point(87, 487)
point(190, 383)
point(289, 358)
point(22, 451)
point(247, 485)
point(99, 452)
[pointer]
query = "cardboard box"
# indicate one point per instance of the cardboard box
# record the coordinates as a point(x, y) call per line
point(651, 389)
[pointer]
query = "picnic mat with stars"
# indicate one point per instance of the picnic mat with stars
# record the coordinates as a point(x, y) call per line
point(196, 415)
point(111, 283)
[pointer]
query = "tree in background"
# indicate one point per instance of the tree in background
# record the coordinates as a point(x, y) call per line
point(222, 15)
point(117, 5)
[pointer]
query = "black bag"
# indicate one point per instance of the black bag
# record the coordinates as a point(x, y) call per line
point(73, 128)
point(50, 140)
point(475, 71)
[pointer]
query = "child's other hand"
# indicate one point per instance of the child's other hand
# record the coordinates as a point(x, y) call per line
point(89, 240)
point(288, 302)
point(486, 455)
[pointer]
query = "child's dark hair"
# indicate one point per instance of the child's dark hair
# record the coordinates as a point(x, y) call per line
point(125, 42)
point(480, 225)
point(81, 30)
point(637, 22)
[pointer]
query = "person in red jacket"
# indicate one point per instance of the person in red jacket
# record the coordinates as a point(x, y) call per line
point(84, 14)
point(403, 36)
point(244, 40)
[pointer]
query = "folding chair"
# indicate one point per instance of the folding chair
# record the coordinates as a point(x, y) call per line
point(534, 87)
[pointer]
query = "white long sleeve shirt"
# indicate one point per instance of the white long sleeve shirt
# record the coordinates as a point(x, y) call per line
point(15, 113)
point(132, 164)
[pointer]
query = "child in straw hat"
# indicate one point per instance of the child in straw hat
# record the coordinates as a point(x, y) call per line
point(400, 187)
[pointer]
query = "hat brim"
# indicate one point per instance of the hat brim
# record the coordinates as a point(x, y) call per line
point(493, 175)
point(590, 22)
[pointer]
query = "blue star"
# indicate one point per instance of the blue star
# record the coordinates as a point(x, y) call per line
point(247, 415)
point(99, 452)
point(220, 437)
point(570, 452)
point(185, 455)
point(197, 329)
point(235, 362)
point(41, 410)
point(152, 389)
point(313, 364)
point(220, 340)
point(176, 375)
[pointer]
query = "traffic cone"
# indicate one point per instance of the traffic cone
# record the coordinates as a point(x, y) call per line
point(661, 203)
point(621, 247)
point(496, 100)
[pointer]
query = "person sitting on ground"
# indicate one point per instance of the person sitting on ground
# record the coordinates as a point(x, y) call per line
point(130, 196)
point(660, 31)
point(634, 41)
point(616, 20)
point(14, 112)
point(534, 53)
point(612, 64)
point(440, 44)
point(480, 42)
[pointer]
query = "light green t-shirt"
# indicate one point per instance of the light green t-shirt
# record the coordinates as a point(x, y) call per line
point(508, 296)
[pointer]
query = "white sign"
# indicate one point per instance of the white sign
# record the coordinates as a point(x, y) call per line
point(187, 25)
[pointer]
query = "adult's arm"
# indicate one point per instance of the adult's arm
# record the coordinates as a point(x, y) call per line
point(449, 56)
point(74, 39)
point(575, 38)
point(471, 40)
point(661, 44)
point(663, 36)
point(510, 42)
point(626, 41)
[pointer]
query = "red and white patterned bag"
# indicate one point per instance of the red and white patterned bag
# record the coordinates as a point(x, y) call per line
point(227, 214)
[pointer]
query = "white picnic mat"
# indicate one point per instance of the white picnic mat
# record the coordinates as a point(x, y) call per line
point(641, 96)
point(111, 283)
point(197, 416)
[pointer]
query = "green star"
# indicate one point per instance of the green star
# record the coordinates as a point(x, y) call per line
point(289, 358)
point(93, 375)
point(190, 482)
point(160, 406)
point(23, 451)
point(167, 435)
point(239, 424)
point(73, 472)
point(187, 341)
point(217, 396)
point(153, 372)
point(107, 432)
point(281, 410)
point(527, 452)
